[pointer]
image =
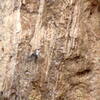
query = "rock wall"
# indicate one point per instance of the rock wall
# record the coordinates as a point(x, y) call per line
point(10, 27)
point(67, 34)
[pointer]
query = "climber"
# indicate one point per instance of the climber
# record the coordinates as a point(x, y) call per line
point(34, 56)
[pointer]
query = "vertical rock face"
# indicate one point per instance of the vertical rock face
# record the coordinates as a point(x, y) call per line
point(10, 27)
point(67, 34)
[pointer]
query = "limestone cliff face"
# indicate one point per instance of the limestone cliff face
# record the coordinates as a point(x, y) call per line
point(67, 33)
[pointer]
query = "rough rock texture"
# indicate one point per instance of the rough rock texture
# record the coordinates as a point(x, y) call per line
point(67, 32)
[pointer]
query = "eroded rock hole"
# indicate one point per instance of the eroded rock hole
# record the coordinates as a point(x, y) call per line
point(84, 72)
